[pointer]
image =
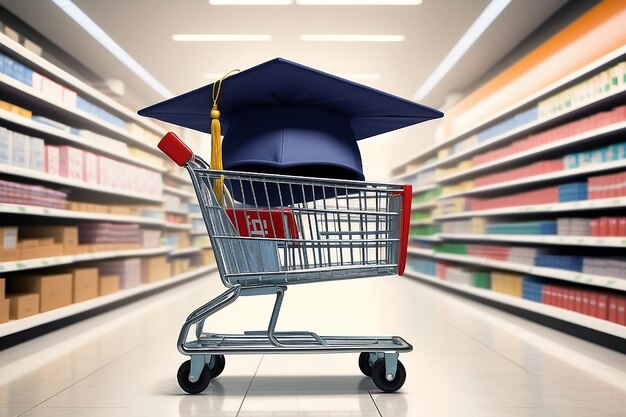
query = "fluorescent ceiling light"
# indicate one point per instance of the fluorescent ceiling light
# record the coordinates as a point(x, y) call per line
point(226, 37)
point(250, 2)
point(486, 18)
point(360, 76)
point(352, 38)
point(358, 2)
point(110, 45)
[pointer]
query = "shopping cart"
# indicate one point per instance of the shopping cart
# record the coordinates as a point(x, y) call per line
point(271, 231)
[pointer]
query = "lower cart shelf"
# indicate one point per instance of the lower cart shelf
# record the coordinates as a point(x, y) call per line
point(17, 331)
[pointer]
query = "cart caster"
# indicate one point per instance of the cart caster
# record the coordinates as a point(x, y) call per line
point(193, 387)
point(379, 376)
point(216, 365)
point(364, 363)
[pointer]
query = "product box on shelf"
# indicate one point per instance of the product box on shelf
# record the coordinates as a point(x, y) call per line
point(54, 291)
point(52, 160)
point(108, 284)
point(37, 154)
point(90, 168)
point(128, 270)
point(155, 268)
point(23, 305)
point(6, 146)
point(71, 163)
point(35, 248)
point(85, 284)
point(5, 307)
point(67, 236)
point(21, 150)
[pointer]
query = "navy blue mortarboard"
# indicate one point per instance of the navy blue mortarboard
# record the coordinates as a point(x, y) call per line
point(286, 118)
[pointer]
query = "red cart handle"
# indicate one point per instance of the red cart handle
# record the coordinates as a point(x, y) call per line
point(405, 225)
point(175, 148)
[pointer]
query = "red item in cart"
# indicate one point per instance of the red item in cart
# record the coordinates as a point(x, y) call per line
point(264, 223)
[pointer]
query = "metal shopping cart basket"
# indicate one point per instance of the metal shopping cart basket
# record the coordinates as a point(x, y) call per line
point(271, 231)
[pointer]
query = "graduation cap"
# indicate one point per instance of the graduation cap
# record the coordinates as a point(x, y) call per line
point(285, 118)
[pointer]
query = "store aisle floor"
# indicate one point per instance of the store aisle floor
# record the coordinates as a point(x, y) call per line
point(468, 360)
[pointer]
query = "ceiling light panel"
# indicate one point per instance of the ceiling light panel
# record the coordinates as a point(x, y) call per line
point(351, 38)
point(475, 31)
point(89, 26)
point(217, 37)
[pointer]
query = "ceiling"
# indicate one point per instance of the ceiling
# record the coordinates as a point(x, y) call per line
point(144, 29)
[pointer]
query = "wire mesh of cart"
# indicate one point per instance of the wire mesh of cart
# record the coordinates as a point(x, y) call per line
point(271, 231)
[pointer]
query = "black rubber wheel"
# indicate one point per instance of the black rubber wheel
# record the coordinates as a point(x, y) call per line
point(218, 366)
point(193, 387)
point(364, 364)
point(378, 376)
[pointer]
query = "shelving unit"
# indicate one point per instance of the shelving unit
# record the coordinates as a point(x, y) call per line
point(53, 261)
point(548, 311)
point(452, 204)
point(16, 331)
point(41, 176)
point(134, 136)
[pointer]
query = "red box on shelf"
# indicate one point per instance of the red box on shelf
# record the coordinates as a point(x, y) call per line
point(612, 315)
point(602, 306)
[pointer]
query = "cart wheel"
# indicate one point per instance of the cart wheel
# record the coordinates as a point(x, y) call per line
point(364, 364)
point(218, 366)
point(193, 387)
point(378, 376)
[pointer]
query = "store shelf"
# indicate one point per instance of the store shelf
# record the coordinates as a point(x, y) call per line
point(178, 226)
point(43, 129)
point(36, 263)
point(425, 205)
point(198, 232)
point(27, 210)
point(536, 179)
point(11, 88)
point(560, 274)
point(608, 242)
point(422, 188)
point(433, 238)
point(179, 212)
point(421, 222)
point(530, 127)
point(582, 138)
point(45, 177)
point(185, 251)
point(15, 326)
point(604, 326)
point(182, 177)
point(576, 76)
point(606, 203)
point(51, 71)
point(195, 215)
point(177, 191)
point(423, 168)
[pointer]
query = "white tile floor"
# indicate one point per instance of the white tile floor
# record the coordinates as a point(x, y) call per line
point(468, 360)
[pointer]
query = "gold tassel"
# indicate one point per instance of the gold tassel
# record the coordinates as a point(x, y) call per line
point(216, 141)
point(216, 153)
